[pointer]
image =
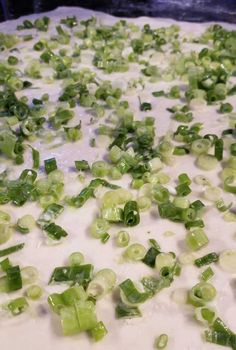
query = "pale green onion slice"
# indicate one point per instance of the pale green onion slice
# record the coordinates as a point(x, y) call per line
point(5, 232)
point(135, 252)
point(202, 293)
point(164, 260)
point(25, 224)
point(162, 341)
point(98, 228)
point(200, 146)
point(29, 275)
point(122, 239)
point(227, 260)
point(181, 202)
point(180, 296)
point(155, 164)
point(76, 259)
point(202, 180)
point(212, 194)
point(34, 292)
point(205, 315)
point(144, 203)
point(186, 258)
point(196, 239)
point(207, 162)
point(102, 283)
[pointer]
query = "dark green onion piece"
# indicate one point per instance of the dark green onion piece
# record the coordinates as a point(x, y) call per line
point(158, 93)
point(220, 338)
point(206, 259)
point(14, 280)
point(36, 158)
point(183, 190)
point(150, 257)
point(197, 205)
point(124, 311)
point(132, 294)
point(195, 223)
point(184, 179)
point(88, 192)
point(233, 149)
point(180, 151)
point(5, 264)
point(105, 237)
point(12, 60)
point(144, 106)
point(226, 108)
point(220, 326)
point(153, 243)
point(54, 231)
point(11, 250)
point(131, 214)
point(80, 274)
point(50, 165)
point(219, 147)
point(170, 211)
point(153, 285)
point(50, 214)
point(82, 165)
point(17, 306)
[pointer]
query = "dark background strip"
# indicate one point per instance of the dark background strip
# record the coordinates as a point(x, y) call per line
point(188, 10)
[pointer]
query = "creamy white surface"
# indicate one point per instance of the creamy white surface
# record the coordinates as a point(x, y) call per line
point(160, 314)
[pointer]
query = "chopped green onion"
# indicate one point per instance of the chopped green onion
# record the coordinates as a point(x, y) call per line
point(124, 311)
point(34, 292)
point(36, 158)
point(78, 274)
point(183, 190)
point(14, 280)
point(207, 274)
point(135, 252)
point(29, 275)
point(122, 239)
point(99, 331)
point(162, 341)
point(17, 306)
point(227, 260)
point(25, 224)
point(50, 213)
point(99, 227)
point(150, 257)
point(226, 108)
point(227, 184)
point(54, 231)
point(202, 293)
point(50, 165)
point(79, 200)
point(100, 169)
point(5, 264)
point(196, 239)
point(219, 147)
point(131, 214)
point(207, 162)
point(158, 93)
point(11, 250)
point(164, 260)
point(131, 295)
point(82, 165)
point(205, 315)
point(206, 259)
point(102, 283)
point(76, 259)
